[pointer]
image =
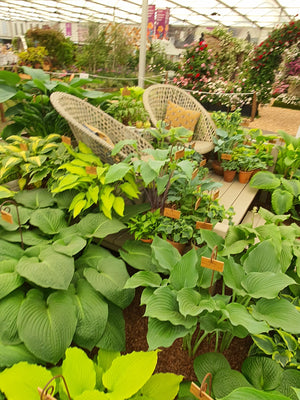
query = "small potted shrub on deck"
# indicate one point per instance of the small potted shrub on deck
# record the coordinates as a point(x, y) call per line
point(230, 168)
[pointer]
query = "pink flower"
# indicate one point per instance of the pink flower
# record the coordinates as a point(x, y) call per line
point(202, 65)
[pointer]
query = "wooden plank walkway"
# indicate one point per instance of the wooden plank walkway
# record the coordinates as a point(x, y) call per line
point(233, 194)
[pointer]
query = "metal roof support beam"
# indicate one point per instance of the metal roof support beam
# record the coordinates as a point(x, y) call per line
point(143, 44)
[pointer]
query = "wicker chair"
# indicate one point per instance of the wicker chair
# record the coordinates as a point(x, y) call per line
point(155, 100)
point(82, 116)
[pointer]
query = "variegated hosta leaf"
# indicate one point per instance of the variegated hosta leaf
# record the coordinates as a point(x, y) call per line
point(47, 325)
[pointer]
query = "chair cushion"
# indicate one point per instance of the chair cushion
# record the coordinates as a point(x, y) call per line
point(202, 147)
point(178, 116)
point(99, 133)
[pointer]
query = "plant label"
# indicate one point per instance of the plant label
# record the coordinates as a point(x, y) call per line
point(195, 173)
point(91, 170)
point(169, 212)
point(200, 394)
point(225, 156)
point(72, 76)
point(7, 217)
point(204, 225)
point(197, 204)
point(203, 162)
point(83, 75)
point(23, 146)
point(212, 264)
point(179, 154)
point(46, 396)
point(66, 139)
point(216, 195)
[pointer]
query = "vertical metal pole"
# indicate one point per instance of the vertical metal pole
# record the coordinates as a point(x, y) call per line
point(143, 44)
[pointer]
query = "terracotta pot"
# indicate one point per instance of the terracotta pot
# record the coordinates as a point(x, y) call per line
point(255, 171)
point(244, 176)
point(216, 166)
point(179, 246)
point(229, 175)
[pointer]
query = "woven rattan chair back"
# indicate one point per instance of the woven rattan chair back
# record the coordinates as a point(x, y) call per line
point(156, 98)
point(78, 113)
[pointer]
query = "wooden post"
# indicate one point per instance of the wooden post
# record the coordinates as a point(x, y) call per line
point(254, 106)
point(2, 112)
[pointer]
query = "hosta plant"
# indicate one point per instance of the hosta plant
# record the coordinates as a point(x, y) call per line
point(62, 287)
point(109, 376)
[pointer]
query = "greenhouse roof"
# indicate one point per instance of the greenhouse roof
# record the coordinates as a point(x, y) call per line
point(230, 13)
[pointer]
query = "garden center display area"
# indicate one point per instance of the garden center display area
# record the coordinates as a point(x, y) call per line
point(135, 256)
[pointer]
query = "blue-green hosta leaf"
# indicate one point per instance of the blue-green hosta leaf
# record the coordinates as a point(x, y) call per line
point(265, 180)
point(262, 372)
point(10, 355)
point(249, 393)
point(163, 333)
point(49, 220)
point(129, 373)
point(282, 201)
point(278, 313)
point(239, 315)
point(38, 74)
point(266, 284)
point(290, 381)
point(161, 386)
point(99, 226)
point(35, 198)
point(48, 269)
point(210, 362)
point(69, 246)
point(10, 78)
point(64, 199)
point(263, 258)
point(286, 254)
point(192, 303)
point(22, 380)
point(47, 326)
point(9, 278)
point(226, 381)
point(30, 238)
point(93, 256)
point(24, 214)
point(163, 305)
point(109, 279)
point(7, 92)
point(78, 371)
point(164, 255)
point(9, 308)
point(144, 278)
point(113, 338)
point(233, 275)
point(138, 255)
point(184, 273)
point(92, 314)
point(292, 186)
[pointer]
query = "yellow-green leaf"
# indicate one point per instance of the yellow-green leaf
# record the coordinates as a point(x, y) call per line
point(78, 197)
point(78, 207)
point(22, 183)
point(119, 205)
point(94, 193)
point(130, 190)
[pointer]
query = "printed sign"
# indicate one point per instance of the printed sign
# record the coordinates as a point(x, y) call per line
point(179, 154)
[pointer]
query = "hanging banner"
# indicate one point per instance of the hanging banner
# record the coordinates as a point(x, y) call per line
point(160, 23)
point(167, 20)
point(151, 22)
point(68, 29)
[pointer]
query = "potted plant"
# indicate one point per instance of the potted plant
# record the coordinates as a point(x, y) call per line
point(230, 167)
point(144, 226)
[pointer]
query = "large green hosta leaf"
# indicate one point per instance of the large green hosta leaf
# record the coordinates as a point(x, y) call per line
point(24, 214)
point(278, 313)
point(192, 303)
point(20, 382)
point(113, 338)
point(161, 386)
point(233, 275)
point(109, 278)
point(239, 315)
point(69, 246)
point(47, 325)
point(144, 278)
point(9, 309)
point(265, 180)
point(262, 372)
point(138, 255)
point(30, 238)
point(35, 198)
point(266, 284)
point(49, 220)
point(249, 393)
point(129, 373)
point(99, 226)
point(292, 186)
point(163, 305)
point(10, 355)
point(163, 333)
point(263, 258)
point(48, 269)
point(164, 255)
point(78, 371)
point(282, 201)
point(184, 273)
point(92, 313)
point(226, 381)
point(210, 362)
point(9, 278)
